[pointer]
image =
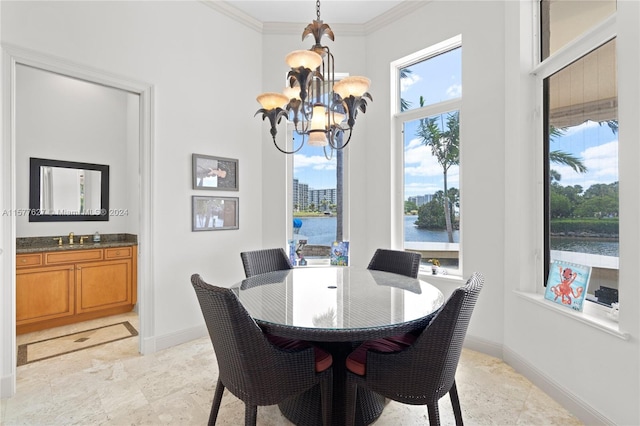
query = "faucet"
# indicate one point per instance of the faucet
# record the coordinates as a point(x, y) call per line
point(70, 238)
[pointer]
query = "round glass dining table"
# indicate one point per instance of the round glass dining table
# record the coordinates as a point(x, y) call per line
point(336, 308)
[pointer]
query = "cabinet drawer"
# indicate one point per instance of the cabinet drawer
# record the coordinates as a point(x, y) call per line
point(117, 252)
point(25, 260)
point(54, 258)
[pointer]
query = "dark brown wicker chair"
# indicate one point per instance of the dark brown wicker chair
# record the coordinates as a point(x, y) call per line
point(263, 261)
point(424, 371)
point(396, 261)
point(249, 365)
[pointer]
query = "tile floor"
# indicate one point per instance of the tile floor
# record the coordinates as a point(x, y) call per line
point(113, 385)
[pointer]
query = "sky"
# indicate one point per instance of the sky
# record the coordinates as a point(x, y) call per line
point(597, 146)
point(439, 79)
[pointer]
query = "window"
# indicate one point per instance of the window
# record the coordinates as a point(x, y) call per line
point(581, 158)
point(317, 199)
point(428, 114)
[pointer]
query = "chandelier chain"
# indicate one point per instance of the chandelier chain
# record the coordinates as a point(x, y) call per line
point(318, 9)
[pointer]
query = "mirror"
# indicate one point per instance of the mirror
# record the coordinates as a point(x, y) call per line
point(66, 191)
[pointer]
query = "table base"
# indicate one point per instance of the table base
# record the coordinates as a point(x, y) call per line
point(304, 409)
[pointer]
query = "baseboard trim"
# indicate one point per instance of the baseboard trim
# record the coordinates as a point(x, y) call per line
point(483, 346)
point(563, 396)
point(179, 337)
point(7, 389)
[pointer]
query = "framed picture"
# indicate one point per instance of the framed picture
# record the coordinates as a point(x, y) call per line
point(567, 284)
point(216, 173)
point(214, 213)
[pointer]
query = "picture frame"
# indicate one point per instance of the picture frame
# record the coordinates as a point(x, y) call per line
point(567, 284)
point(210, 213)
point(214, 173)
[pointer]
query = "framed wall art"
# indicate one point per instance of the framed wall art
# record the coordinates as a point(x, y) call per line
point(215, 173)
point(214, 213)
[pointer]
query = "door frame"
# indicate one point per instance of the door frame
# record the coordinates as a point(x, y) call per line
point(11, 56)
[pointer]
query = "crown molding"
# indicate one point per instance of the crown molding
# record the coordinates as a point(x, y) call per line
point(285, 28)
point(407, 7)
point(231, 12)
point(296, 28)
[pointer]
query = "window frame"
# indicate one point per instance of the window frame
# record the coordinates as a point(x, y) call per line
point(591, 40)
point(398, 118)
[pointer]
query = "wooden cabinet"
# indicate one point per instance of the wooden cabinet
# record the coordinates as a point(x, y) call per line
point(62, 287)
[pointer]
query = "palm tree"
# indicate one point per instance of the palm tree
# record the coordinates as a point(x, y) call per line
point(405, 104)
point(445, 146)
point(562, 157)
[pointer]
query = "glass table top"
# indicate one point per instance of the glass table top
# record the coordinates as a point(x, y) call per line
point(337, 303)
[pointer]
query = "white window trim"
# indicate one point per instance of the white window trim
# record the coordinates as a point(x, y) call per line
point(593, 315)
point(397, 119)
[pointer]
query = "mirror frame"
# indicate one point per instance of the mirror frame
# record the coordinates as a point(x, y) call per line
point(34, 191)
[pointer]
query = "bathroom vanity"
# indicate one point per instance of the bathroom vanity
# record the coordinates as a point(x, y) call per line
point(60, 284)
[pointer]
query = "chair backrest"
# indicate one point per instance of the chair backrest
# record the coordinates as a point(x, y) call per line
point(263, 261)
point(426, 370)
point(396, 261)
point(249, 366)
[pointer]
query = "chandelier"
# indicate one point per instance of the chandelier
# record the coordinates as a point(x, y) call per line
point(323, 110)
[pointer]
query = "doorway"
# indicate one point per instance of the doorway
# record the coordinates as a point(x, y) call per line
point(134, 165)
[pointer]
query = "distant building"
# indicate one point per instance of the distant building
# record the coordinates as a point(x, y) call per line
point(300, 195)
point(317, 196)
point(421, 199)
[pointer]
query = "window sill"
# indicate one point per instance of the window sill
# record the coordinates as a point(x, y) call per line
point(594, 316)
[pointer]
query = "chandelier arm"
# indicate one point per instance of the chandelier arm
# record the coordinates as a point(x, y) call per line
point(334, 134)
point(328, 157)
point(288, 152)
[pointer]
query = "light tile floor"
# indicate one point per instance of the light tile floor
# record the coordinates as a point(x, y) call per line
point(113, 385)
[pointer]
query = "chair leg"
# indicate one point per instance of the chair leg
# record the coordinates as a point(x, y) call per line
point(434, 414)
point(217, 399)
point(455, 403)
point(326, 395)
point(351, 392)
point(250, 414)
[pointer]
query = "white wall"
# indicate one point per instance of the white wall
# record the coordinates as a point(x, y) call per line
point(202, 105)
point(63, 118)
point(482, 191)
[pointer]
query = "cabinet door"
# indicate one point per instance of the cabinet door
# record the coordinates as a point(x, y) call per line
point(44, 293)
point(102, 285)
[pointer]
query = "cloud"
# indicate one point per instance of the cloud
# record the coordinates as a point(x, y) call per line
point(314, 162)
point(602, 160)
point(602, 166)
point(454, 91)
point(410, 80)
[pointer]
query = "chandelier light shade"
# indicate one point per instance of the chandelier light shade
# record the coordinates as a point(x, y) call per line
point(323, 111)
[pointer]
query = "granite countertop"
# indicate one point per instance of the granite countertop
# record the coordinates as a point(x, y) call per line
point(40, 244)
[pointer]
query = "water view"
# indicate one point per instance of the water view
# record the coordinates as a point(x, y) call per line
point(322, 231)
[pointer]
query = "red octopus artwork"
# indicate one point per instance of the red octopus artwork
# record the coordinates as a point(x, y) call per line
point(564, 289)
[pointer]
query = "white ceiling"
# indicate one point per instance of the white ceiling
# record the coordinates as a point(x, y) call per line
point(300, 11)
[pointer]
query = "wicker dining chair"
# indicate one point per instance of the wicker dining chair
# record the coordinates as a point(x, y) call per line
point(265, 260)
point(257, 368)
point(396, 261)
point(417, 370)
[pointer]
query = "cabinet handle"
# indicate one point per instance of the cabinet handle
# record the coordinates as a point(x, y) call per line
point(79, 268)
point(24, 260)
point(117, 252)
